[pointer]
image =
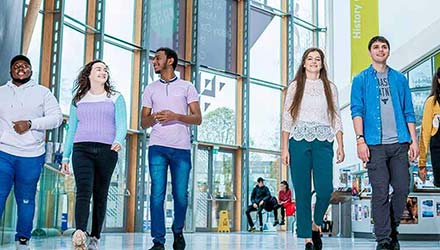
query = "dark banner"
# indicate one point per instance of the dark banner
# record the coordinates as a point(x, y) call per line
point(11, 19)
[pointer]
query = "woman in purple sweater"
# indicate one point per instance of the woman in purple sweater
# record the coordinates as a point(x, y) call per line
point(97, 129)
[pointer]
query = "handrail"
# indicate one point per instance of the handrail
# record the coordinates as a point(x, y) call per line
point(53, 168)
point(212, 198)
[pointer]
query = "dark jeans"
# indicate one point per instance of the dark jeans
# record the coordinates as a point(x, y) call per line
point(93, 165)
point(275, 211)
point(388, 165)
point(259, 210)
point(179, 162)
point(434, 146)
point(23, 173)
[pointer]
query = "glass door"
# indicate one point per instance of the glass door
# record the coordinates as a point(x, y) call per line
point(214, 187)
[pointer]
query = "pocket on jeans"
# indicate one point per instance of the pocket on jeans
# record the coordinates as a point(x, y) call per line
point(371, 166)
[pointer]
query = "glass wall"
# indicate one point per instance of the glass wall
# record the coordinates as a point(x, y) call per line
point(167, 25)
point(218, 106)
point(72, 60)
point(420, 79)
point(266, 72)
point(217, 36)
point(216, 65)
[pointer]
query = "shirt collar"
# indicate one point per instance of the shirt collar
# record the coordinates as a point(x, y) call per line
point(371, 70)
point(170, 81)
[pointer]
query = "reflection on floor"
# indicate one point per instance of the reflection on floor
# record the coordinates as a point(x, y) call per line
point(215, 241)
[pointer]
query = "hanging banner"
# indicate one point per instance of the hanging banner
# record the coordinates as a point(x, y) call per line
point(364, 25)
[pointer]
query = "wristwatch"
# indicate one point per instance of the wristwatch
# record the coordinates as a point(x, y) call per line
point(359, 137)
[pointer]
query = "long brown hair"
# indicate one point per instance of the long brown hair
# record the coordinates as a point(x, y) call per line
point(435, 87)
point(82, 82)
point(300, 79)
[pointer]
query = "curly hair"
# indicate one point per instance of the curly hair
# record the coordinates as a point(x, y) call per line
point(82, 82)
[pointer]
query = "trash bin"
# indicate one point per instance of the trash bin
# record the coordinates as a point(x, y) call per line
point(341, 214)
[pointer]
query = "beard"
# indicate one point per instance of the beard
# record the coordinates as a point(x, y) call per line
point(21, 81)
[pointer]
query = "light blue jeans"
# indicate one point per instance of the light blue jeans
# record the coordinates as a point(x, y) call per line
point(179, 161)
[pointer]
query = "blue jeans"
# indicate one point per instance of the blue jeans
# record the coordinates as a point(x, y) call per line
point(23, 173)
point(179, 161)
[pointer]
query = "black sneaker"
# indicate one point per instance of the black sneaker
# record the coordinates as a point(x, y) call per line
point(309, 246)
point(179, 242)
point(157, 246)
point(276, 223)
point(383, 246)
point(394, 241)
point(261, 229)
point(394, 245)
point(316, 238)
point(22, 244)
point(282, 223)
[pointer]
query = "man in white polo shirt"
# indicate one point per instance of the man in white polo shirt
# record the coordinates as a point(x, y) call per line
point(26, 111)
point(165, 106)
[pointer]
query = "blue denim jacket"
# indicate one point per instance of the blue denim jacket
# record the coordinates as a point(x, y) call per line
point(365, 103)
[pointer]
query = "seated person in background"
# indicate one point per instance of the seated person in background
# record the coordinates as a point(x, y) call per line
point(284, 196)
point(259, 195)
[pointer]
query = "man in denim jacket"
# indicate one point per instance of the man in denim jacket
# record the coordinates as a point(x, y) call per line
point(384, 123)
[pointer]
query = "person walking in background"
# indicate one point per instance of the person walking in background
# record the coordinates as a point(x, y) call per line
point(311, 121)
point(165, 105)
point(97, 130)
point(27, 110)
point(385, 127)
point(429, 136)
point(284, 197)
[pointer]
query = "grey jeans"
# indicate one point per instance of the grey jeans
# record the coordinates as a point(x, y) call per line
point(388, 165)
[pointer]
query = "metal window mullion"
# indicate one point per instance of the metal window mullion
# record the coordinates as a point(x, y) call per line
point(99, 35)
point(195, 74)
point(245, 114)
point(142, 142)
point(55, 60)
point(290, 42)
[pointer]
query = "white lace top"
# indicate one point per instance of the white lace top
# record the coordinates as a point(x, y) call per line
point(313, 121)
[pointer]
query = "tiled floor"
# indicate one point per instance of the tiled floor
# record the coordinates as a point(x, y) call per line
point(215, 241)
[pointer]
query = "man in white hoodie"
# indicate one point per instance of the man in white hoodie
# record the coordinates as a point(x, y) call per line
point(27, 110)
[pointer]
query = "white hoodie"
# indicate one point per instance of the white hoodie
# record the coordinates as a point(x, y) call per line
point(32, 102)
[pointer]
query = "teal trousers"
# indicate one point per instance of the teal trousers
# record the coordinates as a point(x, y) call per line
point(309, 159)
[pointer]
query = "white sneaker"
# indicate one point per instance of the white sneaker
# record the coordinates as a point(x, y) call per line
point(22, 245)
point(93, 244)
point(79, 239)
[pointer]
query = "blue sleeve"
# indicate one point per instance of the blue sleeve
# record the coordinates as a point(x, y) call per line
point(357, 98)
point(73, 124)
point(408, 109)
point(120, 120)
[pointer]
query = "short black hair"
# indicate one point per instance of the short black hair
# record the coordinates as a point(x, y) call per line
point(170, 54)
point(260, 179)
point(378, 39)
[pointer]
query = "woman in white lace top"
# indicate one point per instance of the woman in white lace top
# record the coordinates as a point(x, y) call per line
point(311, 121)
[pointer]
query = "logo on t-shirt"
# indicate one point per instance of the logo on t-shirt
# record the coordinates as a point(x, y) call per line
point(384, 90)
